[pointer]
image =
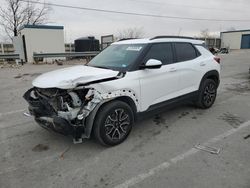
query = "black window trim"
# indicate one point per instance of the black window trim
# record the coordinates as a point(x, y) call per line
point(171, 45)
point(197, 53)
point(141, 60)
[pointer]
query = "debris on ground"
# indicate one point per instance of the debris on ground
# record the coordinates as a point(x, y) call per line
point(40, 148)
point(232, 119)
point(10, 66)
point(59, 62)
point(27, 114)
point(183, 114)
point(159, 120)
point(246, 137)
point(63, 153)
point(209, 149)
point(240, 87)
point(27, 74)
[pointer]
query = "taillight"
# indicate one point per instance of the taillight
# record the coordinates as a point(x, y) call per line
point(217, 59)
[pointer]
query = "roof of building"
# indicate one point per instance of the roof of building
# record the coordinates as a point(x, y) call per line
point(157, 40)
point(41, 27)
point(236, 31)
point(87, 38)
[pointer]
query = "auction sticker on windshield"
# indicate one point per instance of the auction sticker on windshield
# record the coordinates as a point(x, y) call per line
point(134, 48)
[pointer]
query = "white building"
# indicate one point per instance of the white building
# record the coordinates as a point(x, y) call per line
point(39, 39)
point(235, 40)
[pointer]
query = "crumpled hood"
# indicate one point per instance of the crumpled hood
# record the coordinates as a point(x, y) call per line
point(68, 78)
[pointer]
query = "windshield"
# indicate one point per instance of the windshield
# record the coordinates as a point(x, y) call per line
point(117, 56)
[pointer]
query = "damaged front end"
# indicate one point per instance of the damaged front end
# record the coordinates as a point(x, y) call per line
point(63, 111)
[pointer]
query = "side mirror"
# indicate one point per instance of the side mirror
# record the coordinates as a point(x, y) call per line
point(152, 64)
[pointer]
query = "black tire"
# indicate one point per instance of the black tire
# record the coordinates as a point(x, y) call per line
point(113, 123)
point(207, 94)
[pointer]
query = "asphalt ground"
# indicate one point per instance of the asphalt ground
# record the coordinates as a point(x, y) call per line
point(160, 151)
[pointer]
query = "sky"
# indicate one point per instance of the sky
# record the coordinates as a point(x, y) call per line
point(80, 23)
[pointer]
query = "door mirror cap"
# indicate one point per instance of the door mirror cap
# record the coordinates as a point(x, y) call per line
point(152, 64)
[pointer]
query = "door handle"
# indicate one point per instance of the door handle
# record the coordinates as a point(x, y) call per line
point(173, 69)
point(202, 64)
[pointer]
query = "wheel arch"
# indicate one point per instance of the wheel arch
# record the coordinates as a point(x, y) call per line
point(129, 101)
point(89, 123)
point(213, 75)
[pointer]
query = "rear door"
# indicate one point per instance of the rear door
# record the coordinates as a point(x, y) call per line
point(189, 63)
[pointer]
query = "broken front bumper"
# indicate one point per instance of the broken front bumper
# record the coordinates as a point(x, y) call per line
point(47, 117)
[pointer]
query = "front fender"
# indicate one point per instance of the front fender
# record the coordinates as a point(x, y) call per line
point(107, 97)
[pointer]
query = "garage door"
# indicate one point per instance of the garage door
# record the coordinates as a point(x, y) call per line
point(245, 41)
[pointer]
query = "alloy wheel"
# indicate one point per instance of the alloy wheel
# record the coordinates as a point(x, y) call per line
point(209, 94)
point(117, 124)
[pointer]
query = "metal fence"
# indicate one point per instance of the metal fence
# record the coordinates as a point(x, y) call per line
point(9, 56)
point(38, 56)
point(212, 42)
point(67, 54)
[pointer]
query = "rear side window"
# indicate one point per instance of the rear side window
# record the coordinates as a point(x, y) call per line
point(185, 52)
point(162, 52)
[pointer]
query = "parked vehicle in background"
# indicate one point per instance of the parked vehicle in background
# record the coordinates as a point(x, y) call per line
point(224, 51)
point(127, 79)
point(214, 50)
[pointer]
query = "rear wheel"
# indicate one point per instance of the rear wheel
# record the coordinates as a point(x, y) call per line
point(207, 94)
point(113, 123)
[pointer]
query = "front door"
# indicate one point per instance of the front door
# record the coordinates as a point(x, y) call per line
point(158, 85)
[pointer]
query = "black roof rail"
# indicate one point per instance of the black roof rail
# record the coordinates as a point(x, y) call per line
point(179, 37)
point(126, 39)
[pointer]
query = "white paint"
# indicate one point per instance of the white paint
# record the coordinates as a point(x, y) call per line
point(174, 80)
point(11, 112)
point(232, 40)
point(163, 166)
point(68, 78)
point(153, 62)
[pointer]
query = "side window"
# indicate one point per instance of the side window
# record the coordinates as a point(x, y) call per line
point(184, 52)
point(162, 52)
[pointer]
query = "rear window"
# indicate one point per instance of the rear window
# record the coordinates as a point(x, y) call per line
point(185, 52)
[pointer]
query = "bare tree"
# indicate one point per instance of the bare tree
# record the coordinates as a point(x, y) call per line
point(205, 33)
point(135, 32)
point(16, 13)
point(231, 29)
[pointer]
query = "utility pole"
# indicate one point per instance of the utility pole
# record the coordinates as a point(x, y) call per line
point(2, 49)
point(179, 33)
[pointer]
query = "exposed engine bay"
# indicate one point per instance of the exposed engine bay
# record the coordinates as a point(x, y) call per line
point(63, 111)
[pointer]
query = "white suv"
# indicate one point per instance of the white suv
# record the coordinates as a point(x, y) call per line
point(127, 79)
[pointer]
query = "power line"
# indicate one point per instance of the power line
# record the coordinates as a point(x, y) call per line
point(187, 6)
point(135, 14)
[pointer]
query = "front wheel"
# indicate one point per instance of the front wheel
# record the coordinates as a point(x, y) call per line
point(113, 123)
point(207, 94)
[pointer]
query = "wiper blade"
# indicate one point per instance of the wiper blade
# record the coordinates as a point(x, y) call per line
point(101, 67)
